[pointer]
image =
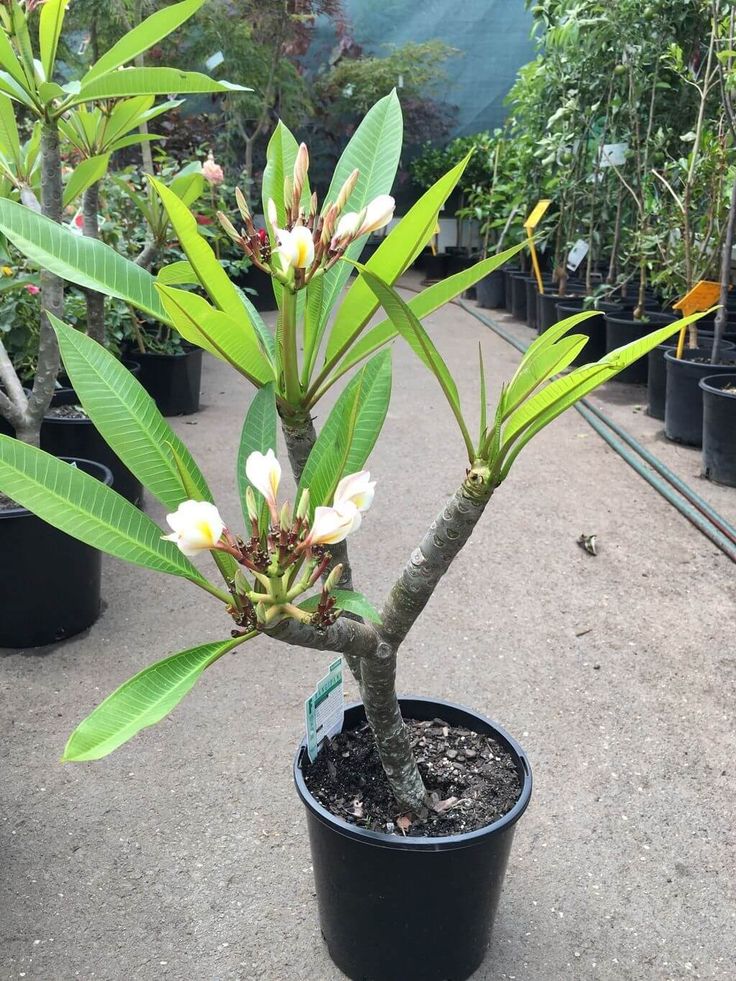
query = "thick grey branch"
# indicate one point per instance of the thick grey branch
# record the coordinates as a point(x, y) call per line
point(447, 534)
point(147, 254)
point(95, 300)
point(344, 637)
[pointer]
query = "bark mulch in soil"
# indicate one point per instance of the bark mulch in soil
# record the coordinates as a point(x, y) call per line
point(7, 503)
point(66, 412)
point(471, 780)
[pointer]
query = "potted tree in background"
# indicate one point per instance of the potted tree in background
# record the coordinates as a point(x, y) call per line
point(28, 64)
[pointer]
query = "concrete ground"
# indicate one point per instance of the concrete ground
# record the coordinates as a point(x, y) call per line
point(183, 855)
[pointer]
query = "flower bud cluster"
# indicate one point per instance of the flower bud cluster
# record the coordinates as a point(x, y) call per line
point(308, 244)
point(287, 558)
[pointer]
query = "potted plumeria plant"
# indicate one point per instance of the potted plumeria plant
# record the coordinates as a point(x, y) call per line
point(426, 818)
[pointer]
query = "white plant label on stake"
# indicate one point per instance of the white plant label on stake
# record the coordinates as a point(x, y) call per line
point(324, 710)
point(576, 254)
point(613, 154)
point(214, 61)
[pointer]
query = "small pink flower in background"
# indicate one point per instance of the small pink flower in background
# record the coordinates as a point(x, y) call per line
point(33, 290)
point(212, 171)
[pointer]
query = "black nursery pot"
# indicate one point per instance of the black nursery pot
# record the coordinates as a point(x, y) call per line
point(435, 266)
point(80, 438)
point(490, 291)
point(719, 428)
point(621, 328)
point(518, 294)
point(683, 414)
point(173, 380)
point(547, 315)
point(51, 581)
point(532, 303)
point(399, 909)
point(594, 328)
point(657, 380)
point(262, 295)
point(508, 272)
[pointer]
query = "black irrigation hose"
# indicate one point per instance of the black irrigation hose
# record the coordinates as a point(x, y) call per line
point(672, 488)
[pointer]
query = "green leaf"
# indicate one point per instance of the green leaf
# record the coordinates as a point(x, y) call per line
point(142, 701)
point(406, 323)
point(9, 139)
point(392, 257)
point(79, 259)
point(538, 411)
point(142, 37)
point(128, 419)
point(374, 150)
point(85, 174)
point(126, 82)
point(346, 599)
point(233, 341)
point(203, 260)
point(49, 32)
point(85, 508)
point(259, 433)
point(178, 273)
point(350, 431)
point(422, 305)
point(543, 358)
point(9, 62)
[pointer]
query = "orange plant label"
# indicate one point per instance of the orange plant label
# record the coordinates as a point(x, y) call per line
point(537, 214)
point(702, 296)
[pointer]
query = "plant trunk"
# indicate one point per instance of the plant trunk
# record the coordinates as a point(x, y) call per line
point(95, 300)
point(616, 238)
point(52, 291)
point(147, 254)
point(722, 315)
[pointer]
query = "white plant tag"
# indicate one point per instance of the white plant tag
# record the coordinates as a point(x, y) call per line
point(576, 254)
point(613, 154)
point(214, 60)
point(324, 710)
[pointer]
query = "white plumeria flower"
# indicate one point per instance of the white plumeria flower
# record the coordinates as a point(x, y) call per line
point(333, 525)
point(295, 247)
point(197, 527)
point(357, 489)
point(263, 471)
point(348, 225)
point(378, 213)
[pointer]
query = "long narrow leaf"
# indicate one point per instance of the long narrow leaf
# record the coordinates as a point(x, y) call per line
point(392, 257)
point(422, 305)
point(350, 431)
point(49, 32)
point(407, 324)
point(233, 341)
point(142, 37)
point(128, 418)
point(374, 150)
point(79, 259)
point(127, 82)
point(142, 701)
point(9, 139)
point(85, 174)
point(83, 507)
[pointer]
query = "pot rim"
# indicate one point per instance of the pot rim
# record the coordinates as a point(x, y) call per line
point(445, 842)
point(707, 384)
point(697, 364)
point(151, 355)
point(105, 477)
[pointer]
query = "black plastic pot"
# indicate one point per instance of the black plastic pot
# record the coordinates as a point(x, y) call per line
point(719, 428)
point(508, 272)
point(490, 291)
point(410, 909)
point(173, 380)
point(594, 328)
point(657, 379)
point(458, 262)
point(621, 329)
point(518, 295)
point(435, 267)
point(80, 438)
point(547, 308)
point(51, 582)
point(532, 303)
point(683, 413)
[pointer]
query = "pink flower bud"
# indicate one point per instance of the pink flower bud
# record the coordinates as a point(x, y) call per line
point(211, 171)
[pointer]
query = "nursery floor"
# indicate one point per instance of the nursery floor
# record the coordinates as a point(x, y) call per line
point(183, 856)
